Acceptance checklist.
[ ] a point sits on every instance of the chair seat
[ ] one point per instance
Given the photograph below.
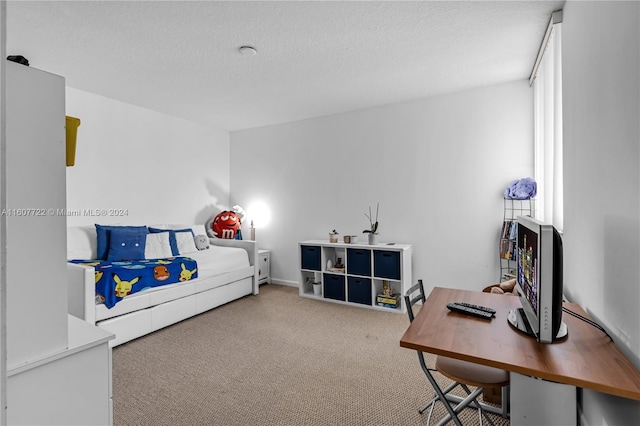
(468, 372)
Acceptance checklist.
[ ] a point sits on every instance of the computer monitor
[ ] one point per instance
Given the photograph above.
(539, 281)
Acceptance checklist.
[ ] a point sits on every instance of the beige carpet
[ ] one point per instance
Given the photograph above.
(274, 359)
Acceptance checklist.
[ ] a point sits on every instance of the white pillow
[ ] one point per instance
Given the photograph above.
(198, 229)
(157, 246)
(159, 226)
(185, 242)
(82, 242)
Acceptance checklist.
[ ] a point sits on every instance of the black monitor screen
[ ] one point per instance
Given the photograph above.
(528, 265)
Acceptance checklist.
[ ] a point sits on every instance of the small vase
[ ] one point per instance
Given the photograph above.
(333, 238)
(373, 238)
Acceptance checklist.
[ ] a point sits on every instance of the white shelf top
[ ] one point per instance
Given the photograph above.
(81, 336)
(361, 245)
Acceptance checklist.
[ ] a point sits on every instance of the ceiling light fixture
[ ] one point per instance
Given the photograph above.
(247, 50)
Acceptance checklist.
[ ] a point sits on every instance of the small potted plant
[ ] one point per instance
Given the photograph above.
(317, 289)
(333, 236)
(317, 286)
(373, 226)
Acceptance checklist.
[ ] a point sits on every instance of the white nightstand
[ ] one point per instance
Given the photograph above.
(264, 266)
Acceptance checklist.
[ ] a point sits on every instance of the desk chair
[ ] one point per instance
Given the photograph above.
(463, 374)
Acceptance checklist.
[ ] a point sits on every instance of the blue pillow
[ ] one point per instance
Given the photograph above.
(103, 237)
(126, 244)
(172, 237)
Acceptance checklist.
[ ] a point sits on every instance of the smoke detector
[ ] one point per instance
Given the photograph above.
(247, 50)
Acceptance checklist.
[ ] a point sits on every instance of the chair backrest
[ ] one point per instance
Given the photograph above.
(410, 299)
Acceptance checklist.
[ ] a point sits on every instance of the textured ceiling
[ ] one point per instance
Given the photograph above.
(314, 58)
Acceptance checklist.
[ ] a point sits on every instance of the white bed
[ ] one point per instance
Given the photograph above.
(226, 271)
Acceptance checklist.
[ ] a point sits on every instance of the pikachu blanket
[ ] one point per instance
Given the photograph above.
(115, 280)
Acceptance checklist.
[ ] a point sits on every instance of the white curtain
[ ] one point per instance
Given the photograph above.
(547, 85)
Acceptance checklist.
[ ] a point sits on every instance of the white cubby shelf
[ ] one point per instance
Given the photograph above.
(364, 272)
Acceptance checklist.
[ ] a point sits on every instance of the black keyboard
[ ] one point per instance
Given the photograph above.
(469, 311)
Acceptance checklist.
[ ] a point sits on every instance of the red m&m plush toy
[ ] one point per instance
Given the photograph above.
(226, 224)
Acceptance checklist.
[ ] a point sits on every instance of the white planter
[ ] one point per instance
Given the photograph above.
(333, 238)
(317, 289)
(373, 238)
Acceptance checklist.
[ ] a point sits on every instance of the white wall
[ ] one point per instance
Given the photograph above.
(157, 168)
(3, 219)
(437, 166)
(601, 95)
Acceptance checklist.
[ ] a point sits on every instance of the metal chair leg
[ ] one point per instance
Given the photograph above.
(433, 404)
(435, 398)
(462, 403)
(506, 401)
(484, 413)
(502, 410)
(453, 412)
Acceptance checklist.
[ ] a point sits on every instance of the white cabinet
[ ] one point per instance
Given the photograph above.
(264, 266)
(36, 237)
(72, 387)
(356, 274)
(58, 367)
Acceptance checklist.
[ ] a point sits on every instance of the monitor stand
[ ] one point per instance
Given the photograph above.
(518, 320)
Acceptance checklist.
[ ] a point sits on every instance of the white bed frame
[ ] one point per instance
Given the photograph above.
(160, 308)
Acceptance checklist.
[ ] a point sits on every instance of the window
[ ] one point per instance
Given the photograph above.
(546, 80)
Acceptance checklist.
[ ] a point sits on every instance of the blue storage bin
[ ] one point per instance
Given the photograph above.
(359, 261)
(359, 290)
(386, 264)
(311, 257)
(334, 287)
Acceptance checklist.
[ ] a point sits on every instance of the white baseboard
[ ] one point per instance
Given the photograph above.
(284, 282)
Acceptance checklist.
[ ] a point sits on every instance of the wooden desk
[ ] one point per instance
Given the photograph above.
(586, 359)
